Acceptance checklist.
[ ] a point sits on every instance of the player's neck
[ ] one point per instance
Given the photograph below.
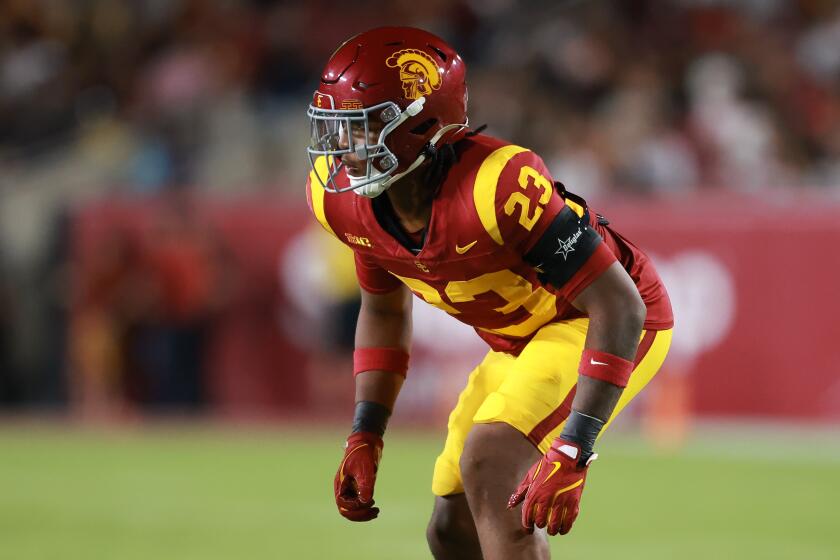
(412, 202)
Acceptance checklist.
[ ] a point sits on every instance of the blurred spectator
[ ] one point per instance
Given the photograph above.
(183, 261)
(112, 295)
(10, 389)
(662, 96)
(54, 280)
(146, 304)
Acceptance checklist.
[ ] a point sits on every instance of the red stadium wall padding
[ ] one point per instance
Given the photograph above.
(252, 366)
(764, 274)
(754, 284)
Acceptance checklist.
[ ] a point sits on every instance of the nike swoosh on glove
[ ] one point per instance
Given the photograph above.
(552, 489)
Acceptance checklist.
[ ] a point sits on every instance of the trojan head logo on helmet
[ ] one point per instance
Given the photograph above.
(418, 72)
(383, 97)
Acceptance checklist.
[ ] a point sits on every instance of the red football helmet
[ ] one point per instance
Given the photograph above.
(384, 96)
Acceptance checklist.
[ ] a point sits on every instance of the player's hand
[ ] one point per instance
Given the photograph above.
(552, 488)
(356, 477)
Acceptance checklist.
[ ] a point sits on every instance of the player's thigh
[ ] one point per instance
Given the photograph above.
(536, 394)
(653, 347)
(494, 461)
(483, 380)
(533, 392)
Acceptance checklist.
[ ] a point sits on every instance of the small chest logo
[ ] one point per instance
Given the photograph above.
(357, 240)
(461, 250)
(421, 266)
(418, 72)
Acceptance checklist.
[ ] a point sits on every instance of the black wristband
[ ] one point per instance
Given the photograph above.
(370, 417)
(582, 429)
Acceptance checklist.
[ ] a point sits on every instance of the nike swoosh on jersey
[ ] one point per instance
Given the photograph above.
(465, 248)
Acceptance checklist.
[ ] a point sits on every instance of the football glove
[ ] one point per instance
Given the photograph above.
(552, 488)
(356, 477)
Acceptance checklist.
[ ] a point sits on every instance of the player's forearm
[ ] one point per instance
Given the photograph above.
(616, 316)
(616, 333)
(384, 326)
(609, 344)
(378, 386)
(381, 329)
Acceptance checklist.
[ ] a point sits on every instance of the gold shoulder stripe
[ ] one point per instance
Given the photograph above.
(577, 208)
(484, 190)
(317, 192)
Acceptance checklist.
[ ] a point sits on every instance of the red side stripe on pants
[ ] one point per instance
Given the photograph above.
(559, 414)
(644, 346)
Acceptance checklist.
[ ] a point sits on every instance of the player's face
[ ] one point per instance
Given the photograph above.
(355, 139)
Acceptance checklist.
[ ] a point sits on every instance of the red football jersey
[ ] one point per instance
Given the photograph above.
(494, 205)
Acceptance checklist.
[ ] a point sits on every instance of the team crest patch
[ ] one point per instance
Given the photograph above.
(418, 72)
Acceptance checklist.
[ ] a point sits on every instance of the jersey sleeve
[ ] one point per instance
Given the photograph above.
(532, 218)
(515, 197)
(373, 278)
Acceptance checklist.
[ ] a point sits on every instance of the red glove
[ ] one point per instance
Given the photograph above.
(552, 489)
(356, 476)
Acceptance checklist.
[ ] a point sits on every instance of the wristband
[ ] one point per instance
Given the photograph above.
(582, 429)
(605, 367)
(370, 417)
(394, 360)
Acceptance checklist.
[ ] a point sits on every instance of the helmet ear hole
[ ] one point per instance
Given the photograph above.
(439, 52)
(423, 127)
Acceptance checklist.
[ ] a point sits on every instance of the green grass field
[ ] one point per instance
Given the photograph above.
(205, 493)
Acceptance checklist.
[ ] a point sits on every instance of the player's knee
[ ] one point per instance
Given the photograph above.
(450, 535)
(442, 537)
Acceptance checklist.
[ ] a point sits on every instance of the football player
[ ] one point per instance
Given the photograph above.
(575, 316)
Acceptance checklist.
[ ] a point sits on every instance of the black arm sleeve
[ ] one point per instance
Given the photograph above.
(370, 417)
(564, 247)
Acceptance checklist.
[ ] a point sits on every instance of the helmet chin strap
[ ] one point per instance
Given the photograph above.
(375, 188)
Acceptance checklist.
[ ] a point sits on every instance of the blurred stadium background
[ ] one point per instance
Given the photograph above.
(175, 331)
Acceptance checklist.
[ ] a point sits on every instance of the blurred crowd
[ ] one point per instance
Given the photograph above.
(634, 94)
(621, 97)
